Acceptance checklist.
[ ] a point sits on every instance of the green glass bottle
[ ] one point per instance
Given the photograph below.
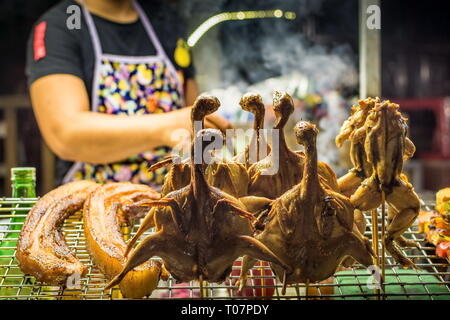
(23, 183)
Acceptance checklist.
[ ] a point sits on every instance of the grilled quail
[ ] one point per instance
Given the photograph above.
(200, 230)
(253, 103)
(281, 170)
(310, 227)
(227, 175)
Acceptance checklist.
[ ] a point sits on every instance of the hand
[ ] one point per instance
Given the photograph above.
(216, 121)
(181, 131)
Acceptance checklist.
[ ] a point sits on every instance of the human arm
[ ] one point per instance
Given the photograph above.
(73, 132)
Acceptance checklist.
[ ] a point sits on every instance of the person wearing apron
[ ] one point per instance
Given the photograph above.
(115, 117)
(125, 85)
(132, 99)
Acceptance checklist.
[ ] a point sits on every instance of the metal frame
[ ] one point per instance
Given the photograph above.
(24, 287)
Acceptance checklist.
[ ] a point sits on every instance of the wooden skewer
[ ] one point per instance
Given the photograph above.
(383, 248)
(375, 244)
(263, 282)
(307, 290)
(200, 280)
(297, 290)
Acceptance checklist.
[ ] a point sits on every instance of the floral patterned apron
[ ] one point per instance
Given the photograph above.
(125, 86)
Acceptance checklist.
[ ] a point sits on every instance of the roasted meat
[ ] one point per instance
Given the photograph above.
(353, 130)
(41, 249)
(253, 103)
(280, 171)
(227, 175)
(310, 227)
(107, 209)
(200, 230)
(385, 141)
(179, 173)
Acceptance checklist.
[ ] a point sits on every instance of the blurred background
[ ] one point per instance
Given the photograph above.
(309, 48)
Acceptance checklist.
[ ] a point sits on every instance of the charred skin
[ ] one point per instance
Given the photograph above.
(385, 143)
(200, 231)
(41, 249)
(106, 210)
(310, 227)
(290, 163)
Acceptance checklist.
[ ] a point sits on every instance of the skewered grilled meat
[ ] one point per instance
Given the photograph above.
(361, 168)
(352, 130)
(179, 173)
(41, 249)
(227, 175)
(106, 210)
(385, 140)
(177, 176)
(253, 103)
(310, 227)
(200, 230)
(290, 164)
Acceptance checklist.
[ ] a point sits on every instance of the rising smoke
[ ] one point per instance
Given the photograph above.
(278, 54)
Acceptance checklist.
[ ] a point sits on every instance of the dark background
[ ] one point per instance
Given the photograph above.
(415, 46)
(413, 32)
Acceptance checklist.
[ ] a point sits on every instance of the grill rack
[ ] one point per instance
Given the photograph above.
(432, 282)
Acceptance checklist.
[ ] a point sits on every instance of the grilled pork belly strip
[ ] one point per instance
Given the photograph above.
(41, 250)
(106, 210)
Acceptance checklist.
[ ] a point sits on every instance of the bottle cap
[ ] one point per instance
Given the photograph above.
(23, 173)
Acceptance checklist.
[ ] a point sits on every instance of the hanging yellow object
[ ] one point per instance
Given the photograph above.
(182, 55)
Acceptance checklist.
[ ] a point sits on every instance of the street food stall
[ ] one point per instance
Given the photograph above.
(312, 193)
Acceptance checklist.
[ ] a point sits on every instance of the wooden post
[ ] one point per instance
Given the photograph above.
(48, 168)
(370, 86)
(369, 54)
(10, 146)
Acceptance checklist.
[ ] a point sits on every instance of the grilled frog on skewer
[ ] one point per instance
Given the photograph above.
(385, 141)
(310, 227)
(352, 130)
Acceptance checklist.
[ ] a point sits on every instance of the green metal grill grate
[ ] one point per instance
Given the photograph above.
(431, 282)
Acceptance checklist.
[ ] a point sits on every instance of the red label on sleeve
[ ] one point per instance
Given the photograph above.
(39, 41)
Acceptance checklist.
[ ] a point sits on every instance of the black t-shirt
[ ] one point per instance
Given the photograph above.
(71, 51)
